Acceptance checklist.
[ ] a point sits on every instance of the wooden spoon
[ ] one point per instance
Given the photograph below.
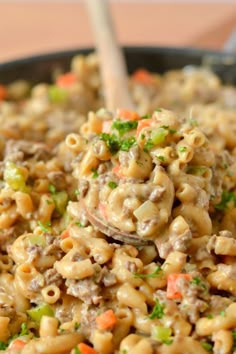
(115, 85)
(112, 63)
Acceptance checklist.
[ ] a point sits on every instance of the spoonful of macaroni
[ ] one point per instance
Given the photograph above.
(115, 85)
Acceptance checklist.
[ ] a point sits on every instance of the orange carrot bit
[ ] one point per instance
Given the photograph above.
(144, 123)
(106, 320)
(66, 80)
(17, 345)
(117, 171)
(102, 209)
(86, 349)
(3, 92)
(172, 290)
(143, 76)
(127, 114)
(65, 234)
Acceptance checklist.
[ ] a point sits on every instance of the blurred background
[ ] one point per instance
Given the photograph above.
(32, 27)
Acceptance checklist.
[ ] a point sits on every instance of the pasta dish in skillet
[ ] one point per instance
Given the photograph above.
(117, 230)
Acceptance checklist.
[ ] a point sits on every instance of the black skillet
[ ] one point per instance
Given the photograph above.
(158, 59)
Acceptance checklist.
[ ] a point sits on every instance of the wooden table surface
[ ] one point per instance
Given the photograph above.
(31, 27)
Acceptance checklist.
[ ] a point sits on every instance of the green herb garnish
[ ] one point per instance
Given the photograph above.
(45, 227)
(146, 116)
(95, 173)
(226, 198)
(76, 326)
(158, 110)
(207, 346)
(198, 281)
(112, 184)
(3, 345)
(124, 126)
(112, 141)
(77, 192)
(115, 144)
(52, 189)
(182, 148)
(148, 145)
(154, 274)
(76, 350)
(196, 170)
(78, 223)
(193, 122)
(49, 202)
(234, 339)
(163, 334)
(157, 311)
(126, 144)
(161, 158)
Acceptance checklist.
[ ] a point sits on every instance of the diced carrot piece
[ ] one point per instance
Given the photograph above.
(102, 209)
(144, 123)
(117, 171)
(66, 80)
(127, 114)
(106, 320)
(172, 291)
(17, 345)
(65, 234)
(3, 92)
(86, 349)
(143, 76)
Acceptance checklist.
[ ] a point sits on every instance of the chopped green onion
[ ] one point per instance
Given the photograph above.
(95, 173)
(161, 158)
(14, 177)
(39, 311)
(207, 346)
(146, 116)
(112, 184)
(163, 334)
(76, 326)
(157, 311)
(57, 94)
(172, 131)
(234, 339)
(3, 345)
(78, 223)
(45, 227)
(52, 188)
(76, 350)
(196, 170)
(158, 135)
(61, 200)
(148, 146)
(182, 148)
(37, 240)
(154, 274)
(226, 198)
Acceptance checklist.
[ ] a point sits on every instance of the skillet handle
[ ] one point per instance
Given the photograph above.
(224, 63)
(230, 44)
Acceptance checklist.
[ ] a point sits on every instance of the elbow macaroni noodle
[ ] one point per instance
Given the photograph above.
(71, 188)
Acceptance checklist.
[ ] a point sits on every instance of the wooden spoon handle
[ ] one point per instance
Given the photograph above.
(112, 63)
